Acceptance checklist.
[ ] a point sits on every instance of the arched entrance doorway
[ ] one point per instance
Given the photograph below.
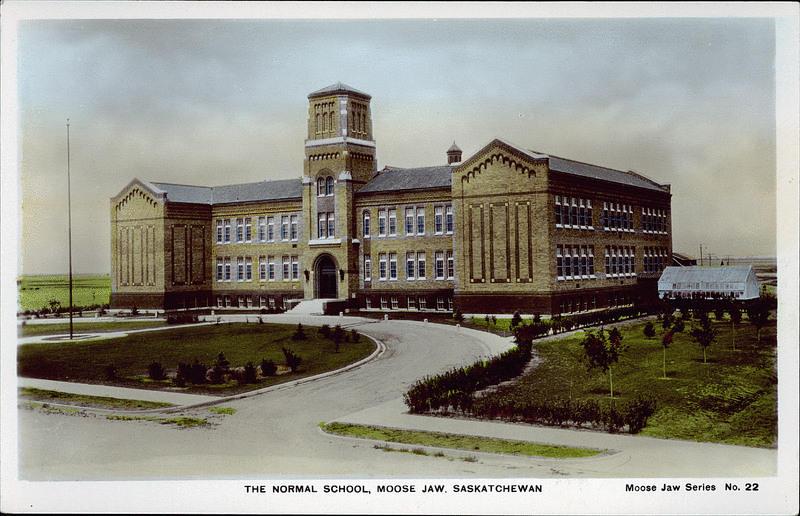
(326, 278)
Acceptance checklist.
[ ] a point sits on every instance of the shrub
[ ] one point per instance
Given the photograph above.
(516, 320)
(182, 318)
(155, 371)
(649, 331)
(325, 331)
(249, 375)
(299, 334)
(110, 371)
(219, 369)
(354, 336)
(338, 336)
(268, 368)
(194, 373)
(292, 360)
(637, 413)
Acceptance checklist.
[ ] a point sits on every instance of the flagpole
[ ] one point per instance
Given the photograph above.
(69, 218)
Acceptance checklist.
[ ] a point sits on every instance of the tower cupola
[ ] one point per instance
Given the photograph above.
(453, 154)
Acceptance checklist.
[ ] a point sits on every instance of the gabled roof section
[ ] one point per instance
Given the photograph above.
(247, 192)
(338, 88)
(156, 192)
(578, 168)
(263, 191)
(697, 274)
(398, 179)
(185, 193)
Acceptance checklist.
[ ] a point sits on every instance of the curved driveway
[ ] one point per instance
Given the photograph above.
(277, 434)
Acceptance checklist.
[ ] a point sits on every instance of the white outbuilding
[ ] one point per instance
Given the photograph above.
(732, 282)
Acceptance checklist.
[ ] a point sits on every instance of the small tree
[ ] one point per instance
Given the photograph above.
(704, 334)
(292, 360)
(220, 368)
(338, 337)
(602, 353)
(679, 325)
(268, 367)
(758, 312)
(649, 331)
(299, 333)
(155, 371)
(516, 320)
(666, 340)
(666, 321)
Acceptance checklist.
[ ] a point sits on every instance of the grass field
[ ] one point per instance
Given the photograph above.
(240, 342)
(36, 292)
(458, 442)
(731, 399)
(84, 325)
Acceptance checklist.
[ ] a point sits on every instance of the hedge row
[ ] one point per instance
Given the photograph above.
(577, 412)
(457, 385)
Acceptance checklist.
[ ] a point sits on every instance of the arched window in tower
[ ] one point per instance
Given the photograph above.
(321, 187)
(329, 186)
(324, 122)
(332, 124)
(316, 123)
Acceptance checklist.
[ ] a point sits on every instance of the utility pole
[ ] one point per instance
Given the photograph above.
(701, 255)
(69, 219)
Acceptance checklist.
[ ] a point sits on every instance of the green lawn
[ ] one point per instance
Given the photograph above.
(83, 325)
(458, 442)
(731, 399)
(240, 342)
(82, 399)
(36, 292)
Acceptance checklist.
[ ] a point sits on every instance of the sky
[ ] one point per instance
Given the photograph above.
(684, 101)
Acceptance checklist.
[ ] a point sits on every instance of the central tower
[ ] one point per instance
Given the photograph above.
(339, 160)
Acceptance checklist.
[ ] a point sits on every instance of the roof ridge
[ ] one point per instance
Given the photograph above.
(629, 172)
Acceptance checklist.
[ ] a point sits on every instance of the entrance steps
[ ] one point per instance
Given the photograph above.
(310, 307)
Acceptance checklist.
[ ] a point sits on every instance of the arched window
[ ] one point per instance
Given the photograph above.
(332, 124)
(320, 187)
(366, 224)
(329, 186)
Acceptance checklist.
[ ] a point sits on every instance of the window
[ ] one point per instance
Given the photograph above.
(262, 269)
(392, 222)
(227, 269)
(271, 268)
(394, 303)
(382, 266)
(365, 228)
(219, 231)
(248, 230)
(293, 222)
(240, 230)
(411, 303)
(451, 265)
(320, 187)
(420, 265)
(331, 225)
(295, 268)
(439, 257)
(381, 222)
(383, 303)
(219, 301)
(262, 229)
(591, 261)
(286, 268)
(448, 219)
(438, 222)
(248, 269)
(440, 303)
(368, 303)
(284, 228)
(410, 265)
(409, 221)
(240, 269)
(219, 269)
(270, 229)
(560, 262)
(420, 221)
(393, 266)
(227, 231)
(329, 186)
(322, 228)
(367, 268)
(422, 303)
